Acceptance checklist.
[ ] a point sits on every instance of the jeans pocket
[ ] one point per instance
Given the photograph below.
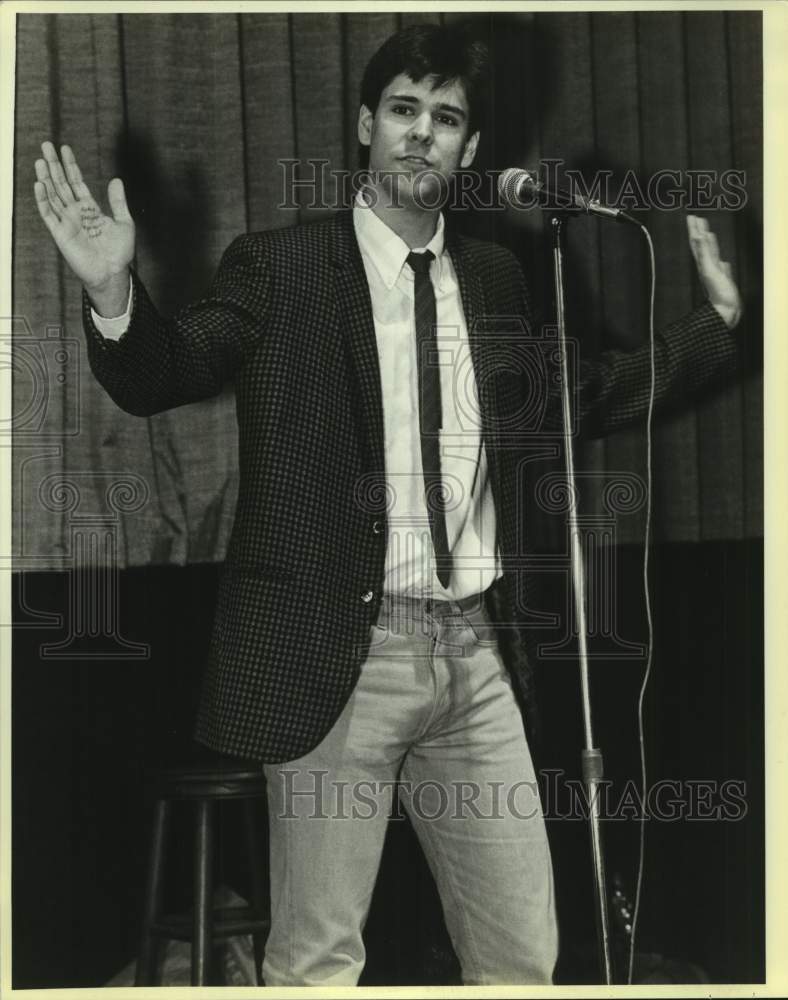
(378, 634)
(481, 628)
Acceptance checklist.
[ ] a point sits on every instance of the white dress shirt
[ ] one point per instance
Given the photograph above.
(470, 513)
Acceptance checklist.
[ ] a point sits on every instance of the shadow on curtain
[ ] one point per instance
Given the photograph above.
(195, 111)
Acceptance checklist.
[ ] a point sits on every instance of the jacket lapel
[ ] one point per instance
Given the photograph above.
(357, 324)
(470, 284)
(475, 310)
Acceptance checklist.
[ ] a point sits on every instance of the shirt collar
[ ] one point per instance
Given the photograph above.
(387, 251)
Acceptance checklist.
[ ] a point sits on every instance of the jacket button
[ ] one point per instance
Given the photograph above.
(377, 527)
(366, 598)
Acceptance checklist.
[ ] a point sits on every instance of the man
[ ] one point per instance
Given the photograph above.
(377, 521)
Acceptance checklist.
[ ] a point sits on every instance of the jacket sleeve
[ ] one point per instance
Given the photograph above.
(612, 390)
(162, 363)
(690, 354)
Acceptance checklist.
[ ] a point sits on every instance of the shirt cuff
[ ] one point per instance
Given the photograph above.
(730, 314)
(114, 327)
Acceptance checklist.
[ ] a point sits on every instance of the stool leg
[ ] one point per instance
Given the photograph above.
(146, 962)
(259, 888)
(203, 884)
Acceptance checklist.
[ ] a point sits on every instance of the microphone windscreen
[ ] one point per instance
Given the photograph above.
(514, 184)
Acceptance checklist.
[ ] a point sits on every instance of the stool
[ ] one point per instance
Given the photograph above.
(204, 784)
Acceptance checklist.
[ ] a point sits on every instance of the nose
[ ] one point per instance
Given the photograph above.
(421, 129)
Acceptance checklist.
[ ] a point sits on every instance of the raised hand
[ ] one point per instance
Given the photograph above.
(715, 274)
(97, 248)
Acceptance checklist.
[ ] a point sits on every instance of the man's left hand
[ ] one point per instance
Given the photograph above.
(715, 274)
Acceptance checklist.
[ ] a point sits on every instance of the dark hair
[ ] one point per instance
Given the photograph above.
(446, 52)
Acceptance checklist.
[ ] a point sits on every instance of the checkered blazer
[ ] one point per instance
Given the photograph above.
(289, 318)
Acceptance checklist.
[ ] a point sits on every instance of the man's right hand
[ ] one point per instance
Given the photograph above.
(97, 248)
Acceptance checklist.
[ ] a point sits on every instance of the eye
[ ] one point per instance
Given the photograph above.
(447, 120)
(402, 109)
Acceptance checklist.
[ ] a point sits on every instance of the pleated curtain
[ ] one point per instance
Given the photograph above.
(197, 112)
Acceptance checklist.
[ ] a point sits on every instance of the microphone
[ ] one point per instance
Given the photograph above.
(520, 188)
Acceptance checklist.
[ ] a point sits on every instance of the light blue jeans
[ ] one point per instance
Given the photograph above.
(433, 717)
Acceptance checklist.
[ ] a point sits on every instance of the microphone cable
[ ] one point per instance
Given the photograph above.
(647, 599)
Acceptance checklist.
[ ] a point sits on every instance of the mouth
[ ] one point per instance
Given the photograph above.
(417, 161)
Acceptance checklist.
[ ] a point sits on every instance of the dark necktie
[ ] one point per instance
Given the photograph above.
(430, 412)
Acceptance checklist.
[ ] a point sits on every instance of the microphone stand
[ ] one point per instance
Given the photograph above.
(591, 756)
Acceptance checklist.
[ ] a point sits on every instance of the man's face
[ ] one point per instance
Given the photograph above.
(416, 129)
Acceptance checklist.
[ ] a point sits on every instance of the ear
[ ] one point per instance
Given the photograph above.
(365, 119)
(470, 150)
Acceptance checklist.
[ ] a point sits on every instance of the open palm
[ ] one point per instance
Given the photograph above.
(96, 247)
(715, 274)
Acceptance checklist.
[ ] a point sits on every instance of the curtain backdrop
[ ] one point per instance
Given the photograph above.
(194, 111)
